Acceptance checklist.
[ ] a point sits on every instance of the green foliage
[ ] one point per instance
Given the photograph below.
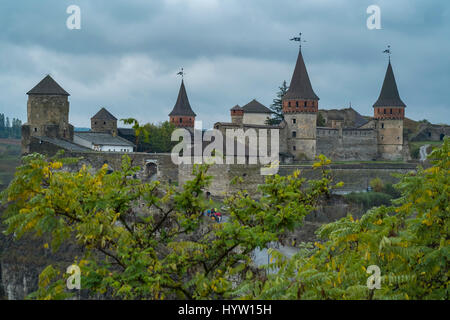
(320, 122)
(377, 184)
(153, 137)
(167, 249)
(408, 241)
(369, 199)
(162, 249)
(10, 129)
(277, 106)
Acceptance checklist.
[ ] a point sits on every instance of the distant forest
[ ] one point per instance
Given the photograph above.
(10, 128)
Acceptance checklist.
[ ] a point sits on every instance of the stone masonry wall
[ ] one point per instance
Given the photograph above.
(347, 144)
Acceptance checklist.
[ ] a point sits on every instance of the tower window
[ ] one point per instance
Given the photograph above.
(35, 129)
(384, 111)
(294, 120)
(296, 104)
(293, 148)
(391, 111)
(181, 120)
(294, 134)
(289, 104)
(382, 126)
(95, 122)
(305, 104)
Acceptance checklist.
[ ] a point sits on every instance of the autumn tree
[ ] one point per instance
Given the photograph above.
(150, 240)
(408, 241)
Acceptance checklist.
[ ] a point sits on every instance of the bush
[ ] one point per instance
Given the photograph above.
(390, 190)
(415, 153)
(377, 185)
(369, 199)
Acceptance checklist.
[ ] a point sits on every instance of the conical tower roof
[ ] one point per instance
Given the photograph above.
(182, 106)
(48, 86)
(389, 96)
(300, 87)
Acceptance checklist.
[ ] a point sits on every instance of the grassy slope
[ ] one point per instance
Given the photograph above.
(9, 160)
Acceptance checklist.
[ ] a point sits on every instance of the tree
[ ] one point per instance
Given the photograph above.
(320, 122)
(165, 249)
(169, 250)
(277, 106)
(153, 137)
(408, 242)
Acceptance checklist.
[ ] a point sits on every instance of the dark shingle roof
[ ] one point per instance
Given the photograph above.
(64, 144)
(255, 107)
(300, 87)
(103, 139)
(182, 106)
(104, 114)
(389, 96)
(48, 86)
(236, 107)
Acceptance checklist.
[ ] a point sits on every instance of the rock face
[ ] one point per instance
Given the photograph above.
(21, 262)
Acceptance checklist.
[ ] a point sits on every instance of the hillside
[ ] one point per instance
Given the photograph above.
(9, 160)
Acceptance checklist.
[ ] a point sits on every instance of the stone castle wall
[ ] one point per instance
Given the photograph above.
(347, 144)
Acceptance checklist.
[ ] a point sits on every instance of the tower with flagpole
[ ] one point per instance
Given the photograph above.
(389, 113)
(300, 107)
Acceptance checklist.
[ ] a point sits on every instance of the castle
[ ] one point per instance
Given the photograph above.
(346, 135)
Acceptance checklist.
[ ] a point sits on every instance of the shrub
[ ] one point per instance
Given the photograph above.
(377, 185)
(369, 199)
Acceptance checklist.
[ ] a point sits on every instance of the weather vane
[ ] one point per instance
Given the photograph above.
(298, 39)
(181, 73)
(388, 51)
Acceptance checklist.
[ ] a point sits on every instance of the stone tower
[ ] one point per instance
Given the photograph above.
(237, 114)
(300, 107)
(389, 112)
(103, 121)
(47, 113)
(182, 115)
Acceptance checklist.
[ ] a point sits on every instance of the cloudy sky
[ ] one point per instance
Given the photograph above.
(126, 55)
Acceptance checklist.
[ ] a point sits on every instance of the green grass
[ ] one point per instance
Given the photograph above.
(9, 160)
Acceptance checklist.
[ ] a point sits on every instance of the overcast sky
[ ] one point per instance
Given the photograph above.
(126, 55)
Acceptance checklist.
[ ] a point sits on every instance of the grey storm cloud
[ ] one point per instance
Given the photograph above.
(127, 54)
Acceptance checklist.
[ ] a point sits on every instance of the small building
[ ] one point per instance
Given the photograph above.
(255, 113)
(103, 142)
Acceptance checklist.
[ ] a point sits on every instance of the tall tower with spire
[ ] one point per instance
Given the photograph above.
(182, 115)
(300, 107)
(389, 113)
(47, 113)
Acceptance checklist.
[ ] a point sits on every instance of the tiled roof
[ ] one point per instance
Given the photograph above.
(98, 138)
(389, 96)
(300, 87)
(104, 114)
(182, 106)
(48, 86)
(255, 107)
